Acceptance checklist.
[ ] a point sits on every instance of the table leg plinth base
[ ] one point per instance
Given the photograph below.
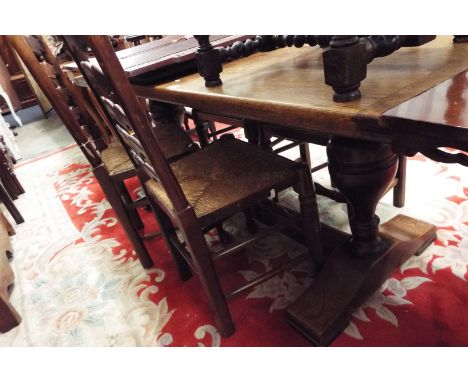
(345, 282)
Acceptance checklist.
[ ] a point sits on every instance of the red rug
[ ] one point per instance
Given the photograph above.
(84, 286)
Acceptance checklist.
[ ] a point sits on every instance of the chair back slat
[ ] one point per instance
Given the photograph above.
(55, 97)
(137, 153)
(107, 79)
(125, 131)
(114, 110)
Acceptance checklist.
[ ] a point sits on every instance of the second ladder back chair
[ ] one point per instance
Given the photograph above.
(110, 173)
(202, 188)
(72, 94)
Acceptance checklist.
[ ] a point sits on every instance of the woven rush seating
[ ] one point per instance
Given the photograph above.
(116, 159)
(232, 170)
(174, 143)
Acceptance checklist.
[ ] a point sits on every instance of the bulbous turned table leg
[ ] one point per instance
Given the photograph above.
(362, 171)
(361, 262)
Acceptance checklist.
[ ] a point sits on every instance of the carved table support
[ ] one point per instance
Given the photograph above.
(361, 263)
(345, 66)
(208, 61)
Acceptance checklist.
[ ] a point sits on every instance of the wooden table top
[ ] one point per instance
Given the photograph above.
(441, 111)
(287, 87)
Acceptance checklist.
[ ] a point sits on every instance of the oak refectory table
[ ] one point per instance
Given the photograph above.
(412, 101)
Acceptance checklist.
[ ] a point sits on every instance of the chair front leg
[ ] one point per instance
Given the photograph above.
(203, 263)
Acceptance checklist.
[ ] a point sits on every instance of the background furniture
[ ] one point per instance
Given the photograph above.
(9, 317)
(16, 80)
(10, 187)
(5, 131)
(135, 40)
(111, 166)
(7, 174)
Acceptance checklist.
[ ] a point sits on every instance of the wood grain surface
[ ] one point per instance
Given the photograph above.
(441, 111)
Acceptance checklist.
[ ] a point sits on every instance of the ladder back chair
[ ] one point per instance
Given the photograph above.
(204, 187)
(111, 172)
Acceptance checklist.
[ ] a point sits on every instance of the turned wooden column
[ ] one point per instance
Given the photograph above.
(362, 171)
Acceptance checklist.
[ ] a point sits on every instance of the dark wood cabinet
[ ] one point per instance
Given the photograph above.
(9, 57)
(17, 78)
(23, 90)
